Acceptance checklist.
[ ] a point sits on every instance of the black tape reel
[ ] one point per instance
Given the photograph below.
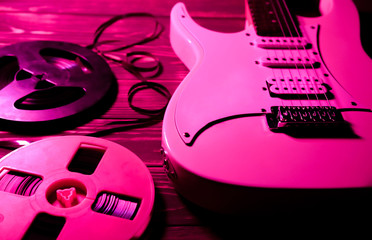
(42, 81)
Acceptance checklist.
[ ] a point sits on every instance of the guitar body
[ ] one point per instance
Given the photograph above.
(220, 151)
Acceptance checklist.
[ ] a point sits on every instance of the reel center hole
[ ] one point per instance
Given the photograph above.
(66, 193)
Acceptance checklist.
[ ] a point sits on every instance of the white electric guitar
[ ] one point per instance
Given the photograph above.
(284, 104)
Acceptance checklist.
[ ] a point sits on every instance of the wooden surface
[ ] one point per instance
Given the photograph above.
(75, 21)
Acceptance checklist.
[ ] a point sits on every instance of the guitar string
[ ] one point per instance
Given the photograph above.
(281, 84)
(307, 78)
(290, 51)
(312, 66)
(275, 77)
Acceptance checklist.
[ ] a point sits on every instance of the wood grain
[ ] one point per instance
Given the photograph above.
(75, 21)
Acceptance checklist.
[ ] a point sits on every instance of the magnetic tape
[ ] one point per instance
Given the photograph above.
(74, 187)
(47, 81)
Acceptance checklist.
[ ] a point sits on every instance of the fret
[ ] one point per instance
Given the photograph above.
(271, 18)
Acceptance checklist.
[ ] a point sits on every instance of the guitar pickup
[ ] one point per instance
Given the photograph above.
(284, 117)
(283, 43)
(296, 88)
(297, 63)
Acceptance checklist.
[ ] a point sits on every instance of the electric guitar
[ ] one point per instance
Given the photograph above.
(284, 104)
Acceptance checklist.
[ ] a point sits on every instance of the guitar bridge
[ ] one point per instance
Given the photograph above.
(285, 117)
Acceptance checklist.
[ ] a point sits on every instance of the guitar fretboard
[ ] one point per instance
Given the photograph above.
(273, 18)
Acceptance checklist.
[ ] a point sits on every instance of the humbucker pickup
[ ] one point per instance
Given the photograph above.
(288, 88)
(303, 116)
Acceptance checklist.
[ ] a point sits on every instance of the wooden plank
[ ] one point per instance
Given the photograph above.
(170, 208)
(205, 8)
(75, 21)
(179, 233)
(144, 142)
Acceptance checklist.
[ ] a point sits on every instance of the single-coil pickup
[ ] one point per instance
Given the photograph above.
(283, 43)
(288, 88)
(290, 62)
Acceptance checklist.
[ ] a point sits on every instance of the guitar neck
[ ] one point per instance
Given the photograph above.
(273, 18)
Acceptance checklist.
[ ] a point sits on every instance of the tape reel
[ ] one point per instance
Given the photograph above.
(74, 187)
(43, 81)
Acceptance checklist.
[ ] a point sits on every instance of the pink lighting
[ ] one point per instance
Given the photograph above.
(67, 197)
(269, 107)
(195, 119)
